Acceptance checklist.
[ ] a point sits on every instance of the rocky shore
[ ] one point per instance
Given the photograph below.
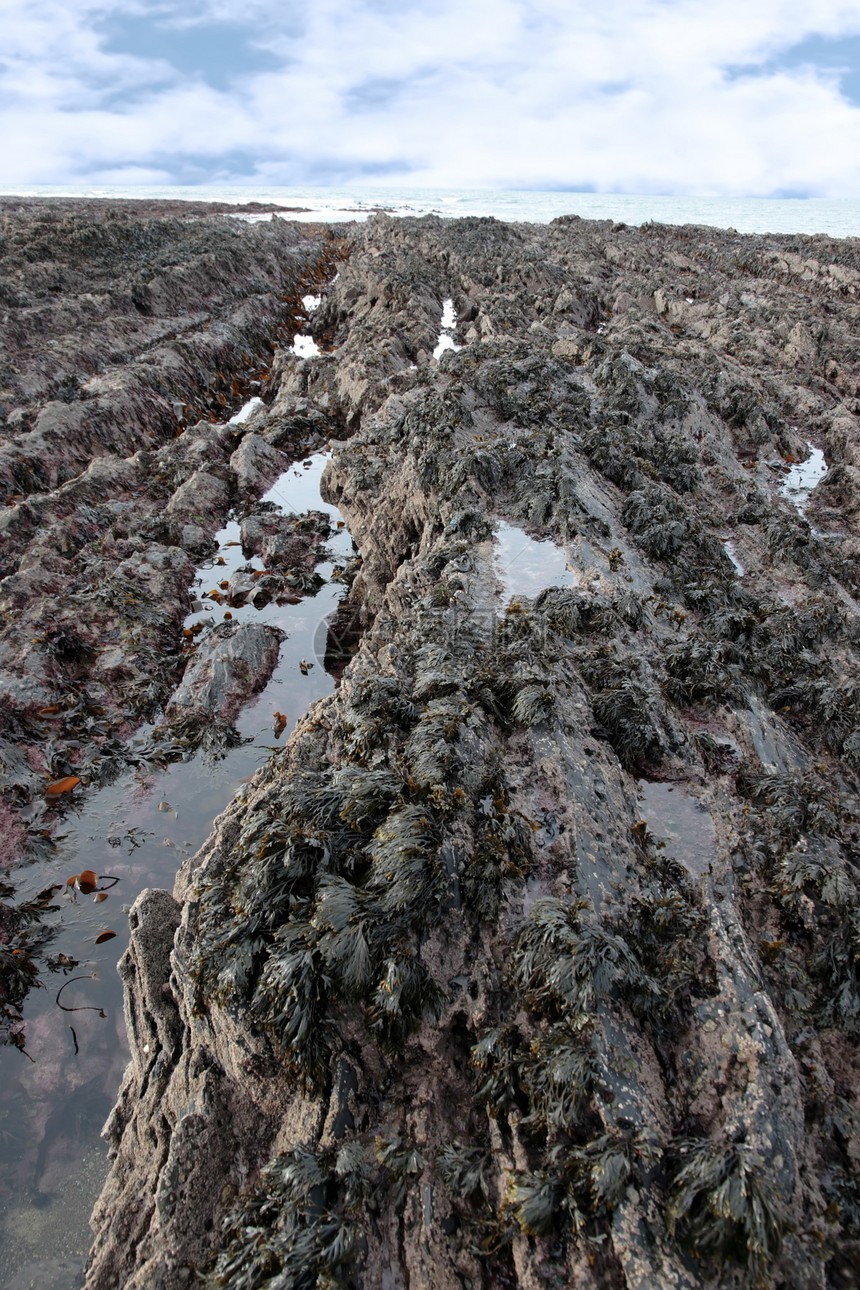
(456, 995)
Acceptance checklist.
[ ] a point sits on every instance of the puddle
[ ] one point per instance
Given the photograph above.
(246, 411)
(446, 335)
(676, 818)
(525, 566)
(802, 478)
(138, 830)
(305, 347)
(310, 303)
(729, 548)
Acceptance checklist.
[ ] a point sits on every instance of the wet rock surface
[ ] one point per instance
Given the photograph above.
(231, 665)
(122, 323)
(439, 1007)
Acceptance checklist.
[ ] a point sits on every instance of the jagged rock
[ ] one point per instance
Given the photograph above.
(456, 1012)
(200, 500)
(440, 1010)
(256, 464)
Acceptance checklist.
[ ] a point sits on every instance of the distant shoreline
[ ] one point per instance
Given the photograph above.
(808, 216)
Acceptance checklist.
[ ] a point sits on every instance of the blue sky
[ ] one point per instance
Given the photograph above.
(722, 97)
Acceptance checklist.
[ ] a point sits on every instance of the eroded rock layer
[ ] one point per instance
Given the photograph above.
(440, 1010)
(122, 324)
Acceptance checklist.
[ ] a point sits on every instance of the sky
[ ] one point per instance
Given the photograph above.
(700, 97)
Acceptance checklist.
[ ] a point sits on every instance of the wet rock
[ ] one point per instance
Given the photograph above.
(23, 692)
(433, 963)
(517, 736)
(231, 664)
(193, 539)
(255, 528)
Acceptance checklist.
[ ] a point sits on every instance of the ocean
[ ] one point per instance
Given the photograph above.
(836, 218)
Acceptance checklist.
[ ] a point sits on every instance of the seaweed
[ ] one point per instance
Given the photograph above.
(582, 1183)
(621, 704)
(703, 671)
(290, 1228)
(24, 938)
(564, 961)
(401, 1161)
(723, 1205)
(498, 1056)
(501, 850)
(663, 925)
(657, 520)
(463, 1171)
(558, 1077)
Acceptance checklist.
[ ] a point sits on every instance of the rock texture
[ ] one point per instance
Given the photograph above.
(121, 326)
(440, 1010)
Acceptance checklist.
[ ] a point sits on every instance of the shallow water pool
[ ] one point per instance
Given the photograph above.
(133, 833)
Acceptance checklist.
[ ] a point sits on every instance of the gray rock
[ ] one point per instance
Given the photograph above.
(201, 500)
(256, 465)
(230, 664)
(23, 692)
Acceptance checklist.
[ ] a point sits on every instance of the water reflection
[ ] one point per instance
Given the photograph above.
(139, 830)
(802, 478)
(679, 820)
(525, 566)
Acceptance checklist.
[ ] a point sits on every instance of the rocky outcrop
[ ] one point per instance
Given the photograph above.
(446, 1011)
(115, 488)
(532, 958)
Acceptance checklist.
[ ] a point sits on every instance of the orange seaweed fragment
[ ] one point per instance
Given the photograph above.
(63, 785)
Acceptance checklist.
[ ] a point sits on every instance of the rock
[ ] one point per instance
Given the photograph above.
(193, 539)
(433, 963)
(201, 500)
(230, 664)
(23, 692)
(254, 528)
(256, 465)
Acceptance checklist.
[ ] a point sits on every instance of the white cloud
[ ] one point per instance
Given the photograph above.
(676, 96)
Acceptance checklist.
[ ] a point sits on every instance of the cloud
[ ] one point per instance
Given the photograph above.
(682, 96)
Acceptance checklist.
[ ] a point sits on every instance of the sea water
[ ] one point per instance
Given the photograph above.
(834, 217)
